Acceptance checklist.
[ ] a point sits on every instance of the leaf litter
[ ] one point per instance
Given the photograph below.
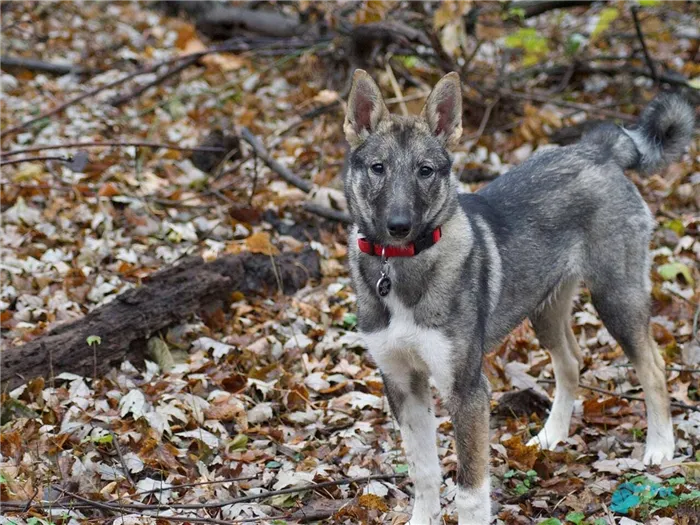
(279, 394)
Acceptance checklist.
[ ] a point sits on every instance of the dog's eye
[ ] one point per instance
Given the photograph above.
(378, 168)
(426, 171)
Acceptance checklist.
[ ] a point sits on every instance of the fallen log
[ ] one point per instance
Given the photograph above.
(31, 64)
(532, 8)
(223, 21)
(164, 298)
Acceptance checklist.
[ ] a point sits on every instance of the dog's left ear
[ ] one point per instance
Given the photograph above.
(443, 110)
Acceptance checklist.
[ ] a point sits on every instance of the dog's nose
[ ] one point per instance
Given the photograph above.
(399, 225)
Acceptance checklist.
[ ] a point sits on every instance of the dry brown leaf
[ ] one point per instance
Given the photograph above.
(260, 243)
(373, 502)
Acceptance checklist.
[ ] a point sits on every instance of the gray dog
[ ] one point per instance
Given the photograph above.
(441, 276)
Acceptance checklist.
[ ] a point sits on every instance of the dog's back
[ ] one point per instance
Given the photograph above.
(564, 212)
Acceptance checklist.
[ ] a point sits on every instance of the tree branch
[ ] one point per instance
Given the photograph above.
(640, 35)
(275, 166)
(39, 65)
(154, 145)
(123, 99)
(34, 159)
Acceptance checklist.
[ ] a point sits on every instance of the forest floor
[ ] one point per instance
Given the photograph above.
(276, 393)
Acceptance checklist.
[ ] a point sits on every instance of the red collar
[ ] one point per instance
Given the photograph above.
(411, 249)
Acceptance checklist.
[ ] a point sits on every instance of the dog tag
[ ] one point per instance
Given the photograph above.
(383, 285)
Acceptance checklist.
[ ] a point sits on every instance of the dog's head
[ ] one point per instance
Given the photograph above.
(398, 181)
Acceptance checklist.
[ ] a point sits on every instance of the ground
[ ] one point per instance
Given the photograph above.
(276, 392)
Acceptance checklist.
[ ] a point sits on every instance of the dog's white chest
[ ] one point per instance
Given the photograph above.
(404, 346)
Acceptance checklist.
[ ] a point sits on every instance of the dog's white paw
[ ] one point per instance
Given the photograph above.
(425, 517)
(658, 453)
(548, 439)
(660, 446)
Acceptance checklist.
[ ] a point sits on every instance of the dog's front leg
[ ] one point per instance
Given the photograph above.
(411, 402)
(469, 407)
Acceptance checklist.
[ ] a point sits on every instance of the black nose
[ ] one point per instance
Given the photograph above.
(399, 225)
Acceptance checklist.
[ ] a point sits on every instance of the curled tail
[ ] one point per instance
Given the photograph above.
(660, 136)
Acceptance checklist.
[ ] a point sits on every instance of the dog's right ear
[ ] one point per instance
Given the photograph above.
(365, 109)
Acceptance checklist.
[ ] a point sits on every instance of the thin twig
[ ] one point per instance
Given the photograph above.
(640, 35)
(255, 179)
(29, 503)
(397, 89)
(327, 213)
(34, 159)
(32, 64)
(123, 99)
(115, 442)
(197, 484)
(547, 99)
(228, 46)
(61, 107)
(309, 115)
(275, 166)
(630, 397)
(111, 144)
(128, 509)
(484, 120)
(250, 497)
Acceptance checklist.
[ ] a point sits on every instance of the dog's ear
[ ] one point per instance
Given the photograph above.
(443, 109)
(365, 109)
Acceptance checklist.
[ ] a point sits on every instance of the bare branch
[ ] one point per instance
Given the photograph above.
(275, 166)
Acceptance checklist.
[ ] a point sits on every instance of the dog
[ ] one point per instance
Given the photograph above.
(441, 276)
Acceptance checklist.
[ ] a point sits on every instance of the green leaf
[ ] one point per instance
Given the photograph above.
(409, 61)
(94, 340)
(535, 45)
(693, 496)
(679, 480)
(273, 464)
(648, 3)
(349, 320)
(521, 488)
(517, 12)
(671, 271)
(550, 521)
(107, 438)
(675, 225)
(401, 469)
(574, 43)
(575, 517)
(284, 500)
(607, 16)
(511, 473)
(240, 442)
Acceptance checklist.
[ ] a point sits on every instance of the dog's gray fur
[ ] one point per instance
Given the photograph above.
(517, 248)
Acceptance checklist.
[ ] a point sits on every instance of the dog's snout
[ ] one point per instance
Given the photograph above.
(399, 225)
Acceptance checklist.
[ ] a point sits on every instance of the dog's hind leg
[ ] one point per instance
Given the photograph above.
(411, 403)
(552, 326)
(625, 313)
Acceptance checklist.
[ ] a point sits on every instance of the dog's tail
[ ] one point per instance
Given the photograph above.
(659, 137)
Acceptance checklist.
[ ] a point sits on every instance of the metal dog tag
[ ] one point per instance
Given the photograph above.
(384, 282)
(383, 285)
